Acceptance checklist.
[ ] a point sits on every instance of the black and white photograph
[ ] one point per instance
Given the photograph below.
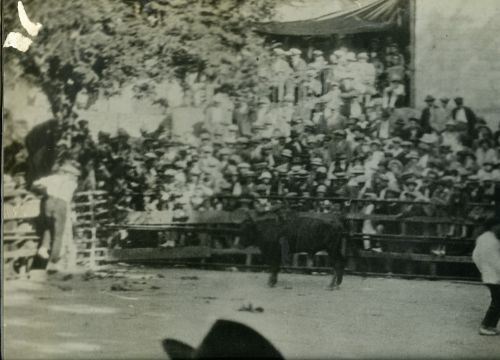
(285, 179)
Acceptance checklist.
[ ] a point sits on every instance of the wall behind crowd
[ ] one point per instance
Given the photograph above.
(457, 48)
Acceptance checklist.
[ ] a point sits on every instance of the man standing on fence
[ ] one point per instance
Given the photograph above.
(58, 191)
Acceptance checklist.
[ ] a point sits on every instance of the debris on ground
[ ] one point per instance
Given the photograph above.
(160, 275)
(251, 309)
(190, 278)
(88, 275)
(123, 286)
(67, 277)
(206, 297)
(288, 287)
(64, 287)
(154, 287)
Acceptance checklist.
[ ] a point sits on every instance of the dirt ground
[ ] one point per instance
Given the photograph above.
(124, 314)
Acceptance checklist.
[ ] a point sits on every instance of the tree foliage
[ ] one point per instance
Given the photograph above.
(98, 46)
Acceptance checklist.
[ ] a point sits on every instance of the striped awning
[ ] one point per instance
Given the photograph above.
(351, 16)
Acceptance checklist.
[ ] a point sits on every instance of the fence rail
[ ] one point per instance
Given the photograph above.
(407, 250)
(414, 235)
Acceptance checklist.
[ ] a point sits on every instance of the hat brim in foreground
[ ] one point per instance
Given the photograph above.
(177, 350)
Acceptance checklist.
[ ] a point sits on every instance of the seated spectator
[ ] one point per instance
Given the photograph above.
(485, 153)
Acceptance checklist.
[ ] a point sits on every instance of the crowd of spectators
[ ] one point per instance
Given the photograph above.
(325, 129)
(336, 128)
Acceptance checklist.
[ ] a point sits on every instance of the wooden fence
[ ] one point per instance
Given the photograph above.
(21, 238)
(405, 247)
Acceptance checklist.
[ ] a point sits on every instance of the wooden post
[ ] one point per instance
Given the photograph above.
(433, 269)
(248, 259)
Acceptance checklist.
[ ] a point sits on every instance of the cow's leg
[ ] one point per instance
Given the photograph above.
(338, 263)
(273, 276)
(274, 261)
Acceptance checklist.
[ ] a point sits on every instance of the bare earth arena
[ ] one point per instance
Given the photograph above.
(126, 314)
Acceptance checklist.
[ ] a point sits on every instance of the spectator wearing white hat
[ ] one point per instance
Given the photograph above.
(299, 65)
(444, 106)
(319, 63)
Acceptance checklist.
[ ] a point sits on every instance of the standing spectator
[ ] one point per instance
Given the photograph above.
(368, 225)
(299, 67)
(430, 118)
(445, 107)
(320, 66)
(367, 71)
(332, 73)
(486, 256)
(464, 116)
(281, 71)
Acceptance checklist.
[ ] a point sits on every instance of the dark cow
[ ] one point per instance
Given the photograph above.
(302, 232)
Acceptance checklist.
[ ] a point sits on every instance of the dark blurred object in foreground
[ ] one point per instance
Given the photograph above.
(226, 339)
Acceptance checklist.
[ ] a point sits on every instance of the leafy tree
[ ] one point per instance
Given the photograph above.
(98, 46)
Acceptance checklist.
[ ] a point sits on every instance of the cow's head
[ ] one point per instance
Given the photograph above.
(250, 234)
(249, 230)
